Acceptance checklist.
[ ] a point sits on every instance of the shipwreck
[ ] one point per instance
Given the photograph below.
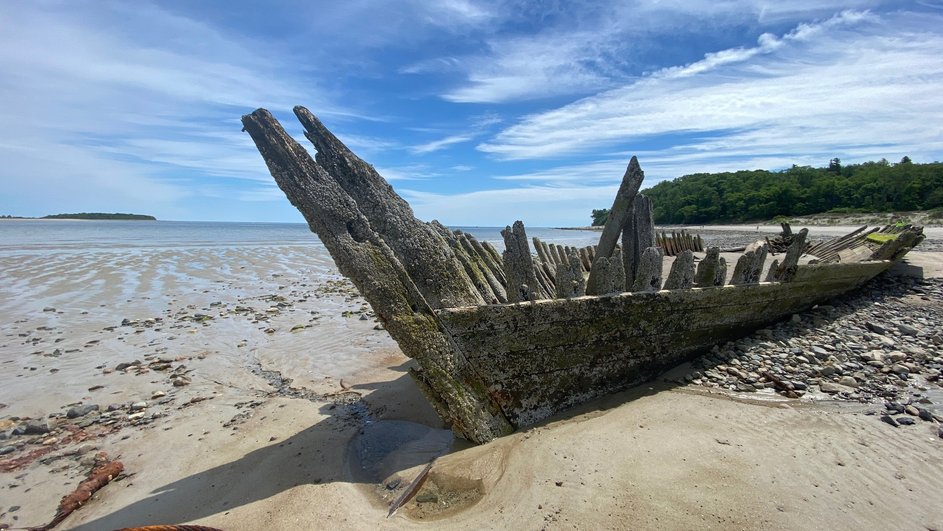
(505, 340)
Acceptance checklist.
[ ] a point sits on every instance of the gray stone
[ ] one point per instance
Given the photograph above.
(7, 450)
(890, 420)
(81, 410)
(905, 421)
(834, 388)
(848, 381)
(36, 427)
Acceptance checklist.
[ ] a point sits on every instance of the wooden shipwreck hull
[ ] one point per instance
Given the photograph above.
(505, 340)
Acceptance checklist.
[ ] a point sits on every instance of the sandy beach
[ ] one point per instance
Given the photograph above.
(250, 386)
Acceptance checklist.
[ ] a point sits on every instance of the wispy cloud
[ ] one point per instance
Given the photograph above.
(855, 82)
(110, 100)
(442, 143)
(540, 206)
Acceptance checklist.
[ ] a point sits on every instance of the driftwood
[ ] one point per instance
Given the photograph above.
(410, 489)
(104, 471)
(785, 270)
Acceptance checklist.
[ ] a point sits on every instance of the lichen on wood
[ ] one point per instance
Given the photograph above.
(620, 211)
(365, 258)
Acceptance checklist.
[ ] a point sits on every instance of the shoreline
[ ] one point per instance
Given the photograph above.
(238, 385)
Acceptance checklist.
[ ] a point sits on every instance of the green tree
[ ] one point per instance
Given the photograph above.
(600, 216)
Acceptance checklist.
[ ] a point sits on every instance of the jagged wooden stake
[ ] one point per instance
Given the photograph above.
(681, 275)
(649, 270)
(519, 265)
(620, 211)
(707, 270)
(637, 235)
(444, 375)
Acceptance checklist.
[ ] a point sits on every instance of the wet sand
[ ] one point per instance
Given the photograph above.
(241, 447)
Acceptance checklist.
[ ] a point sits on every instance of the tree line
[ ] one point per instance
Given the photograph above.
(798, 191)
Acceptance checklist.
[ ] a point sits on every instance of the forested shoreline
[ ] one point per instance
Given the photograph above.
(798, 191)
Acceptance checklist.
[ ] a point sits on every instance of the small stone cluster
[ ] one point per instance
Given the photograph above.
(881, 344)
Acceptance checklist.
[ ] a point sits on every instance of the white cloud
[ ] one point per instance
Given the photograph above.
(442, 143)
(122, 100)
(854, 83)
(537, 206)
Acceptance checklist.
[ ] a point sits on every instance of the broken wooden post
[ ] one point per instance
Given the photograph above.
(541, 253)
(637, 235)
(787, 269)
(620, 211)
(609, 276)
(442, 279)
(706, 275)
(519, 265)
(648, 277)
(681, 275)
(721, 275)
(756, 268)
(445, 376)
(569, 277)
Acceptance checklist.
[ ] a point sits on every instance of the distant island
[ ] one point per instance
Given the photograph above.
(101, 215)
(92, 216)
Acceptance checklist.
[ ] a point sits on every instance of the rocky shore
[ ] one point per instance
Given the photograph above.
(881, 346)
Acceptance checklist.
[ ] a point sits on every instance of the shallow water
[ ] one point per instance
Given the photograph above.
(271, 293)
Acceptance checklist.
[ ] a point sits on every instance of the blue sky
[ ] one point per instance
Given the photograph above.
(479, 113)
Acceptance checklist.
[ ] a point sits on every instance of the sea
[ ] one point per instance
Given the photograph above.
(270, 297)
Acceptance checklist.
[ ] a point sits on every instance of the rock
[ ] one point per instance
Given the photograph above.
(899, 369)
(924, 414)
(80, 411)
(36, 427)
(911, 410)
(833, 388)
(427, 497)
(906, 421)
(49, 309)
(896, 356)
(7, 450)
(848, 381)
(122, 366)
(138, 406)
(890, 420)
(907, 330)
(876, 328)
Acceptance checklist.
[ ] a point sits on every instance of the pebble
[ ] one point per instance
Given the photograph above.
(867, 346)
(80, 411)
(138, 405)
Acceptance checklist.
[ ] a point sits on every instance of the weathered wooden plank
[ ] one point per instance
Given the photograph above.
(439, 276)
(519, 265)
(648, 277)
(681, 275)
(362, 255)
(618, 213)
